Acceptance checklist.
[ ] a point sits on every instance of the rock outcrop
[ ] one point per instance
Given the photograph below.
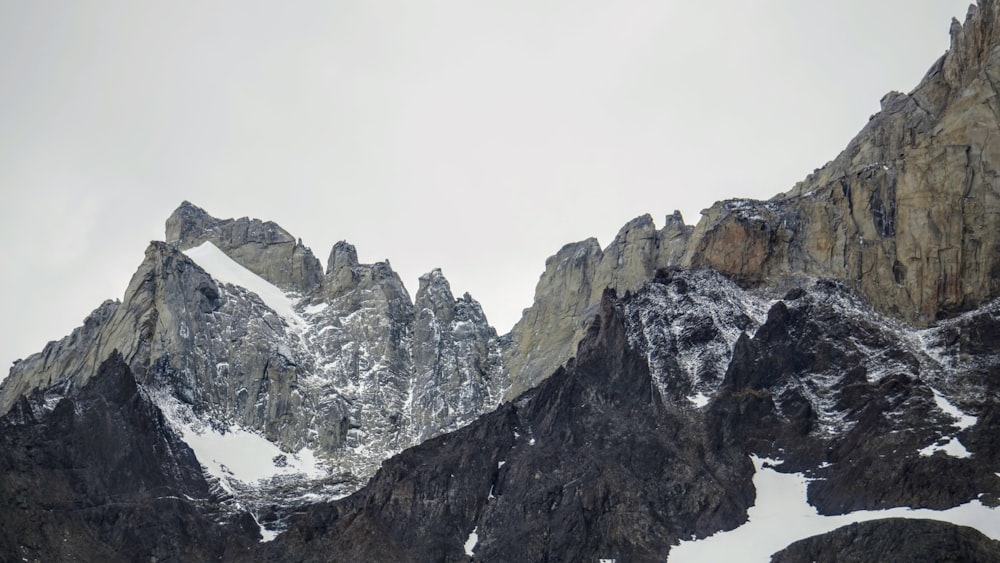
(893, 540)
(262, 247)
(101, 476)
(456, 359)
(848, 330)
(569, 292)
(590, 464)
(908, 214)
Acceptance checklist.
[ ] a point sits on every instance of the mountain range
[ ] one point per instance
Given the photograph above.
(815, 377)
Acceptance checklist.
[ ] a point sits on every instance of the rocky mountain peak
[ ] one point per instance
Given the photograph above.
(262, 247)
(342, 255)
(434, 295)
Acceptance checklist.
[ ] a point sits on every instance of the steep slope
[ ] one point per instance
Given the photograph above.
(907, 214)
(569, 292)
(101, 476)
(845, 336)
(645, 438)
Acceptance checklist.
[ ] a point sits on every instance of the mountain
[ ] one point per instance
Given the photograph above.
(815, 376)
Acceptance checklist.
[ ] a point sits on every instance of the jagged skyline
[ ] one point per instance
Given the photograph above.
(478, 141)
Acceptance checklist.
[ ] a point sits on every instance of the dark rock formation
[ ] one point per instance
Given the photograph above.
(100, 476)
(894, 540)
(826, 382)
(847, 329)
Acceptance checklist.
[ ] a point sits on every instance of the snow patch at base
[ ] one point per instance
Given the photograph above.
(781, 515)
(236, 454)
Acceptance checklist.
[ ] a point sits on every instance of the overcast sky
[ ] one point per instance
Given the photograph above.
(474, 136)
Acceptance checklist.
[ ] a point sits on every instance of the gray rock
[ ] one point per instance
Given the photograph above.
(264, 248)
(569, 291)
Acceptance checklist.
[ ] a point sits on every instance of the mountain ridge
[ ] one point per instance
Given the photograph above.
(845, 331)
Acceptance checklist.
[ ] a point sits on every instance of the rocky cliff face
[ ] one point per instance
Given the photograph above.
(642, 440)
(101, 476)
(264, 248)
(593, 463)
(907, 214)
(569, 292)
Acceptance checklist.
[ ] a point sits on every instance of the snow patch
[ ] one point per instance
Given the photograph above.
(699, 399)
(471, 541)
(963, 420)
(236, 454)
(782, 515)
(951, 446)
(224, 269)
(313, 309)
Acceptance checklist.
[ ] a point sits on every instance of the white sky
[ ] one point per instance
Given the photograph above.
(478, 137)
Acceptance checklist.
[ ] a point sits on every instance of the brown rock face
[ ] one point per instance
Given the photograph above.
(908, 214)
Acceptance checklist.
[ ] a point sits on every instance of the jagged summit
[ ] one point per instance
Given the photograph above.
(233, 323)
(262, 247)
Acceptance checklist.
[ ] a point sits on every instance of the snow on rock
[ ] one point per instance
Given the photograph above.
(471, 541)
(224, 269)
(951, 445)
(317, 308)
(699, 399)
(235, 454)
(782, 515)
(963, 420)
(687, 325)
